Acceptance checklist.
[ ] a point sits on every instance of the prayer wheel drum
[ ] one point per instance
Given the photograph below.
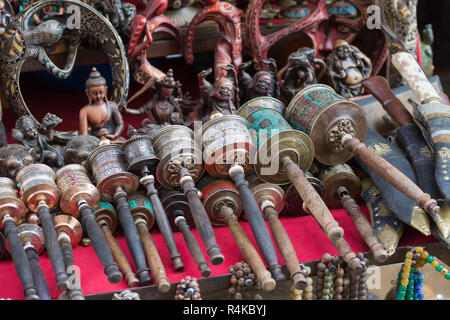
(74, 183)
(266, 191)
(294, 202)
(140, 205)
(275, 139)
(174, 200)
(109, 168)
(334, 177)
(215, 194)
(106, 212)
(139, 153)
(30, 233)
(324, 115)
(9, 202)
(37, 183)
(71, 226)
(175, 146)
(226, 141)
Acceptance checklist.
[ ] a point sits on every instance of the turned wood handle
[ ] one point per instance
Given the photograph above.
(347, 254)
(66, 248)
(201, 219)
(20, 260)
(247, 249)
(153, 258)
(163, 222)
(120, 257)
(313, 201)
(256, 221)
(363, 226)
(410, 70)
(193, 246)
(38, 275)
(392, 175)
(99, 243)
(132, 237)
(286, 248)
(380, 89)
(53, 248)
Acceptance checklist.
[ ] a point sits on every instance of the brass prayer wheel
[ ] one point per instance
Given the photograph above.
(74, 183)
(217, 193)
(105, 212)
(324, 115)
(9, 202)
(109, 169)
(37, 183)
(174, 200)
(71, 226)
(30, 234)
(294, 202)
(335, 177)
(141, 207)
(275, 139)
(175, 146)
(138, 151)
(266, 191)
(226, 141)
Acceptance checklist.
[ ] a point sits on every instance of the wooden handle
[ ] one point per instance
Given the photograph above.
(392, 175)
(347, 254)
(256, 221)
(286, 248)
(380, 89)
(19, 258)
(193, 245)
(66, 248)
(247, 249)
(410, 70)
(132, 237)
(120, 257)
(313, 201)
(53, 248)
(99, 243)
(163, 222)
(363, 226)
(200, 217)
(153, 258)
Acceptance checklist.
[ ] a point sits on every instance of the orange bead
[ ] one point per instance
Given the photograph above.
(424, 255)
(404, 282)
(408, 262)
(409, 255)
(435, 263)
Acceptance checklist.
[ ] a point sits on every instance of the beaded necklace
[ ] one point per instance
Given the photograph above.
(410, 280)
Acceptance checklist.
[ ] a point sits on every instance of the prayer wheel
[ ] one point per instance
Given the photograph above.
(12, 209)
(41, 194)
(337, 126)
(228, 150)
(142, 160)
(114, 182)
(78, 197)
(181, 165)
(294, 202)
(179, 214)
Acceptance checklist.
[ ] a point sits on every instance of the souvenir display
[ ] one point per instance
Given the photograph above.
(143, 216)
(78, 198)
(347, 67)
(141, 158)
(106, 217)
(12, 211)
(180, 218)
(109, 169)
(242, 278)
(69, 232)
(32, 239)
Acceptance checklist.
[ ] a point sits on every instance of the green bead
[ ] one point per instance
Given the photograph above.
(430, 259)
(447, 276)
(439, 267)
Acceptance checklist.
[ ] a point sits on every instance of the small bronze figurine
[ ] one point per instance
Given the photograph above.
(101, 115)
(263, 83)
(165, 105)
(13, 158)
(347, 68)
(222, 96)
(39, 138)
(78, 149)
(300, 71)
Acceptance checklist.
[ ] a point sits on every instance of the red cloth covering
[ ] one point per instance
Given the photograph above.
(309, 241)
